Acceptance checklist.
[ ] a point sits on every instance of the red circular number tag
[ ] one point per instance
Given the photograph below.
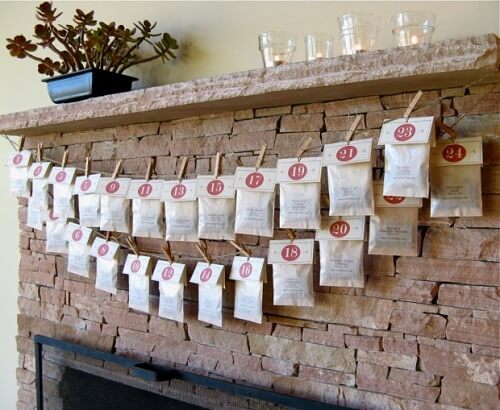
(52, 216)
(145, 190)
(297, 171)
(178, 191)
(339, 229)
(61, 176)
(37, 171)
(85, 185)
(135, 266)
(290, 253)
(206, 274)
(394, 199)
(454, 153)
(77, 235)
(245, 270)
(17, 159)
(215, 187)
(347, 153)
(404, 132)
(103, 250)
(167, 273)
(112, 187)
(254, 180)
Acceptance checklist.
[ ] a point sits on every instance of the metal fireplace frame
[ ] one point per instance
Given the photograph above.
(155, 373)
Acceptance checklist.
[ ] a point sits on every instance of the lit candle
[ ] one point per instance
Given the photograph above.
(278, 60)
(319, 55)
(414, 39)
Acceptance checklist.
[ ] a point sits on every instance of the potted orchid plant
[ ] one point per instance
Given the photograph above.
(89, 57)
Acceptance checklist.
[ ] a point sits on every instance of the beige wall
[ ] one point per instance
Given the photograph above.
(219, 37)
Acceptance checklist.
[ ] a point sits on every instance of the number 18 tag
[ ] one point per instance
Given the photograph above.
(298, 252)
(342, 153)
(464, 151)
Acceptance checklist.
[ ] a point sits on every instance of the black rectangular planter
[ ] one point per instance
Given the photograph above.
(87, 83)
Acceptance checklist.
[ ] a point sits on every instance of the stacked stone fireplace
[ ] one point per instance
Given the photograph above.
(423, 333)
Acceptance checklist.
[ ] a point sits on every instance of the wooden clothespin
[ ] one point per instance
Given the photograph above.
(353, 128)
(151, 167)
(39, 152)
(130, 241)
(217, 165)
(167, 252)
(291, 234)
(446, 129)
(87, 165)
(64, 158)
(412, 105)
(117, 169)
(260, 158)
(21, 143)
(202, 248)
(108, 234)
(242, 248)
(303, 147)
(182, 169)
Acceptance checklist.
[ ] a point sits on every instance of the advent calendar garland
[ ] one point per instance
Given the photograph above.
(216, 207)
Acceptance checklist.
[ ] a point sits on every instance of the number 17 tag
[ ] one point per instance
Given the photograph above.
(343, 153)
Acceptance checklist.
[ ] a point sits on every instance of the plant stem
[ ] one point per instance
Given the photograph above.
(64, 42)
(40, 60)
(86, 52)
(129, 51)
(144, 60)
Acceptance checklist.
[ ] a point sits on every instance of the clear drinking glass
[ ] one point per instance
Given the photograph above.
(276, 47)
(413, 27)
(318, 46)
(358, 32)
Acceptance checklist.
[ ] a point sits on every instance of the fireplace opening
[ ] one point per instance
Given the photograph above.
(83, 391)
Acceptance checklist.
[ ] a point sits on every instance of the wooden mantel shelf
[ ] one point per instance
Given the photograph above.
(443, 64)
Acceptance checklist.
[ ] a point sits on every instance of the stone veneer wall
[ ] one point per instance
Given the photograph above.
(423, 333)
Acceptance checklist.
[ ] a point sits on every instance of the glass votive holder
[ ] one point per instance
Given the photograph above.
(413, 27)
(358, 32)
(318, 46)
(276, 47)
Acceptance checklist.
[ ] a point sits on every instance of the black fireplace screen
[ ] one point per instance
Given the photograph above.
(79, 389)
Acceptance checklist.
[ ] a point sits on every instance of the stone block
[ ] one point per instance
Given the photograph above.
(422, 324)
(478, 297)
(301, 122)
(256, 125)
(387, 359)
(472, 330)
(353, 106)
(449, 270)
(456, 392)
(316, 374)
(464, 366)
(302, 352)
(452, 243)
(401, 289)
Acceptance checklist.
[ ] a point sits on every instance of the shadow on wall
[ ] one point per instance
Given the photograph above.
(156, 73)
